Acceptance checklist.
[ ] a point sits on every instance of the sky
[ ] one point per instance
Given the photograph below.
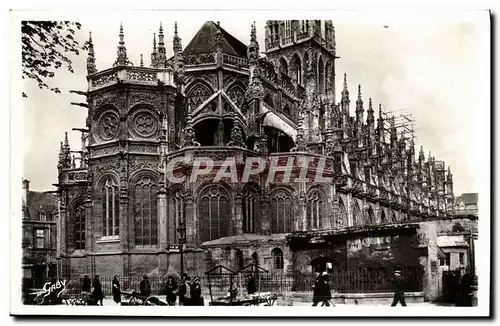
(434, 65)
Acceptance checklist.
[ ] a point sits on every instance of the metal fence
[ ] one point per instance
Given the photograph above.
(365, 280)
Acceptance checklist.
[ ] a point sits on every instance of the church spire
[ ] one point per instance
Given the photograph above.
(253, 48)
(218, 37)
(122, 59)
(345, 97)
(177, 45)
(236, 134)
(370, 119)
(162, 51)
(91, 67)
(154, 54)
(359, 107)
(142, 61)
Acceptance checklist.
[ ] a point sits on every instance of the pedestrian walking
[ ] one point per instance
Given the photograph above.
(251, 286)
(117, 293)
(196, 298)
(171, 291)
(326, 294)
(145, 287)
(317, 290)
(399, 286)
(187, 296)
(86, 284)
(97, 293)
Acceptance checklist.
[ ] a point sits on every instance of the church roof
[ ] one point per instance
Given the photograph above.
(204, 42)
(469, 198)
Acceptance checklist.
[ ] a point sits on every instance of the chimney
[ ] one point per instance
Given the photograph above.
(26, 190)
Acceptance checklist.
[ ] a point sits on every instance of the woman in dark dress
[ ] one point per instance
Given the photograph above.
(171, 290)
(196, 299)
(117, 294)
(98, 295)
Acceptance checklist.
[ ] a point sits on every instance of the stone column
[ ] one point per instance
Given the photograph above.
(191, 234)
(238, 210)
(349, 209)
(302, 216)
(162, 217)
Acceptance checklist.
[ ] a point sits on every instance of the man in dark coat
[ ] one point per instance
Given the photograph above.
(184, 291)
(196, 298)
(86, 284)
(251, 286)
(399, 288)
(326, 293)
(98, 294)
(171, 291)
(466, 290)
(317, 290)
(145, 287)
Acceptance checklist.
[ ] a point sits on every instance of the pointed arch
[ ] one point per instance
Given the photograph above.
(214, 213)
(198, 93)
(239, 260)
(321, 75)
(315, 209)
(305, 64)
(281, 211)
(251, 208)
(370, 216)
(356, 214)
(236, 93)
(77, 211)
(283, 68)
(383, 219)
(296, 69)
(341, 218)
(177, 212)
(277, 255)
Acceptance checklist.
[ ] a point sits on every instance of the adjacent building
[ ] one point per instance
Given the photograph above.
(39, 235)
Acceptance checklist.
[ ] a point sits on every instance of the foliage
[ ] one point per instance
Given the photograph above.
(46, 46)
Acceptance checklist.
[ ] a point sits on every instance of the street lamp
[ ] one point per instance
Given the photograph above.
(182, 240)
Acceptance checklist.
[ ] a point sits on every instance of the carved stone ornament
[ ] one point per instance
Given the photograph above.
(143, 123)
(142, 98)
(107, 166)
(108, 125)
(136, 164)
(106, 98)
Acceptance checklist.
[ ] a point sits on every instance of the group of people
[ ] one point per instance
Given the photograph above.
(189, 293)
(94, 288)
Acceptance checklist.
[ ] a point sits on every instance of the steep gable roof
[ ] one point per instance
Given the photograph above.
(204, 42)
(469, 198)
(40, 202)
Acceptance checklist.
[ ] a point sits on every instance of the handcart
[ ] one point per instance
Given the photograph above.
(137, 299)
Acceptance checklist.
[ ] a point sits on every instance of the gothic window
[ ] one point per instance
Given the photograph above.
(108, 126)
(306, 63)
(145, 124)
(356, 214)
(178, 213)
(393, 217)
(274, 33)
(269, 100)
(198, 94)
(239, 260)
(145, 212)
(277, 255)
(382, 217)
(283, 67)
(288, 29)
(296, 69)
(110, 208)
(370, 217)
(321, 75)
(79, 227)
(315, 206)
(250, 206)
(341, 219)
(237, 94)
(281, 212)
(214, 214)
(40, 238)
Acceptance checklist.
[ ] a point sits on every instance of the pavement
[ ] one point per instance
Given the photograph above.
(109, 301)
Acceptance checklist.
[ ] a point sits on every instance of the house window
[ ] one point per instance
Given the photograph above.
(110, 208)
(239, 260)
(277, 255)
(145, 207)
(79, 227)
(214, 214)
(43, 217)
(461, 258)
(40, 239)
(281, 210)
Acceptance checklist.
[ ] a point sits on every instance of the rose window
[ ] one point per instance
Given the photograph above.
(145, 124)
(109, 126)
